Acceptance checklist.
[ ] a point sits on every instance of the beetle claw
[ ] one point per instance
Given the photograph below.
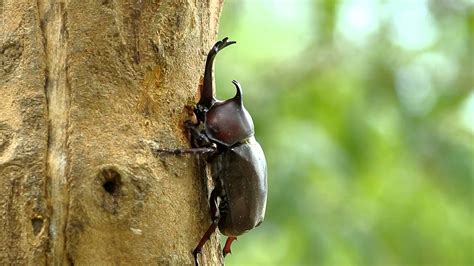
(196, 252)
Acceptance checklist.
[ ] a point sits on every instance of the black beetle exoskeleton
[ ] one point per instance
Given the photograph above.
(225, 133)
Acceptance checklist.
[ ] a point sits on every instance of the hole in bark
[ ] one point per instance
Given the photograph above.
(37, 224)
(110, 187)
(112, 181)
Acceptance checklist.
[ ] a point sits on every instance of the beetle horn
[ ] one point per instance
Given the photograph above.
(208, 91)
(238, 94)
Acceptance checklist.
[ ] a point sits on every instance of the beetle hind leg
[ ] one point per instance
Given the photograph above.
(226, 250)
(212, 228)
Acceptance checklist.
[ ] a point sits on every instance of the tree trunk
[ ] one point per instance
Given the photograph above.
(84, 85)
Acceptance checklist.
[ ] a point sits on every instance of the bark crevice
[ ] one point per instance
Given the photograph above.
(53, 27)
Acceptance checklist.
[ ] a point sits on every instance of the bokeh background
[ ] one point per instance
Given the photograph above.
(365, 110)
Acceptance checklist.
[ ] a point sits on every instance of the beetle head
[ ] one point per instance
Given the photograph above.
(228, 122)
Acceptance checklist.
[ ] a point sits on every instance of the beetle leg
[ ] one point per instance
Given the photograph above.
(185, 150)
(228, 243)
(212, 228)
(201, 143)
(199, 138)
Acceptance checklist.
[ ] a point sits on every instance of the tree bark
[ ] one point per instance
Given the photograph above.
(84, 85)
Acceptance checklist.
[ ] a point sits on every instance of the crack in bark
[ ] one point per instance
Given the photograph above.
(53, 18)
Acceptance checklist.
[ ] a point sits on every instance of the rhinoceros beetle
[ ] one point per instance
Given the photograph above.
(225, 134)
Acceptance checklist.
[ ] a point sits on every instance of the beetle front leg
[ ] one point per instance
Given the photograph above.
(199, 139)
(200, 142)
(185, 150)
(215, 215)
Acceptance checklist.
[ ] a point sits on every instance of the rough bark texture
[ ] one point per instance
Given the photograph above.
(83, 86)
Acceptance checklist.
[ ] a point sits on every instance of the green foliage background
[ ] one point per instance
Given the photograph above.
(365, 110)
